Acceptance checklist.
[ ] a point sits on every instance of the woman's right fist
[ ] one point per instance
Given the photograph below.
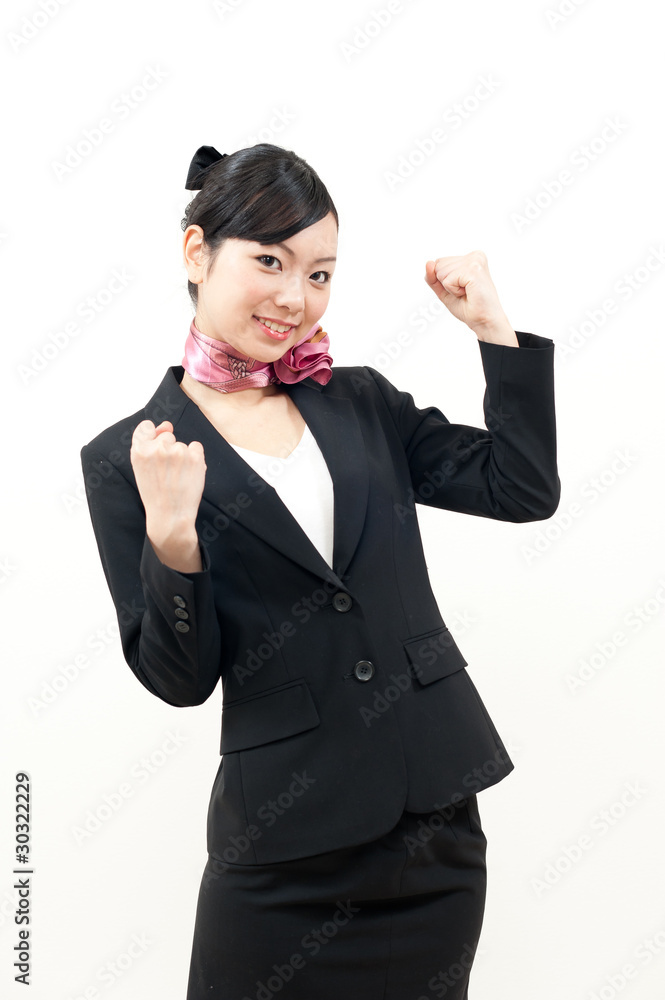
(170, 476)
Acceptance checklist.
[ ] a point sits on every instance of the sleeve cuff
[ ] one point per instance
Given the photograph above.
(523, 340)
(152, 558)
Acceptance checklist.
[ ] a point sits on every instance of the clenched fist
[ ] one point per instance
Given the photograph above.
(170, 476)
(465, 287)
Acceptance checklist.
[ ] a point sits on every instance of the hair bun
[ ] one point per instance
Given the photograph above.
(204, 157)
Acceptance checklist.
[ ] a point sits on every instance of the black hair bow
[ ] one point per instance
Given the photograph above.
(204, 157)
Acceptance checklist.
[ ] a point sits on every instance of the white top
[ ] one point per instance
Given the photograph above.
(304, 485)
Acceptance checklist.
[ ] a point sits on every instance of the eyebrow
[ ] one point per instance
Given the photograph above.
(319, 260)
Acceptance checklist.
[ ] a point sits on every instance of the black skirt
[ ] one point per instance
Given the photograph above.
(395, 919)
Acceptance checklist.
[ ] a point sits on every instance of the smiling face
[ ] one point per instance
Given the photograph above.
(287, 284)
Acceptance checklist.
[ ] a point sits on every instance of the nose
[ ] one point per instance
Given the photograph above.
(291, 294)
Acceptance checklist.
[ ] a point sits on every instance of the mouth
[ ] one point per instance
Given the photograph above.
(281, 330)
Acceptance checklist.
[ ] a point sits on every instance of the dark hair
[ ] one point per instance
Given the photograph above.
(262, 193)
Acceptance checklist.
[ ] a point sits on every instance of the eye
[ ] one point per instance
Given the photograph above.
(268, 260)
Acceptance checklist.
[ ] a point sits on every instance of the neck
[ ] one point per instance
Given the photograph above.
(199, 392)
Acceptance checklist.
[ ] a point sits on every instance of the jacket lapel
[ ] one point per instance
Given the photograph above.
(335, 427)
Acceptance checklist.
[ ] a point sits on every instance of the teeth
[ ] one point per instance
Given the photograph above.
(274, 326)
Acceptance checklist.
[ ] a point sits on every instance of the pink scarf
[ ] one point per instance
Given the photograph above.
(220, 365)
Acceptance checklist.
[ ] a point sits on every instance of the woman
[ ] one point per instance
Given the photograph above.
(256, 522)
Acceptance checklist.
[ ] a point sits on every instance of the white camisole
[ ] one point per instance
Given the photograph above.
(304, 485)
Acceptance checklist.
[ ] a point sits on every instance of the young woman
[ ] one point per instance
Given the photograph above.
(256, 522)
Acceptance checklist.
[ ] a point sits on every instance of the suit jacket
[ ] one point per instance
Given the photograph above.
(345, 697)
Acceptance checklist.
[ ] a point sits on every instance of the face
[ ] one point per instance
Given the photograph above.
(286, 283)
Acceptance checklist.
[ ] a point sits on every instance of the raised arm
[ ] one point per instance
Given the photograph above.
(168, 625)
(508, 469)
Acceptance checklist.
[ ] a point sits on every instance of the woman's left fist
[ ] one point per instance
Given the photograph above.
(464, 286)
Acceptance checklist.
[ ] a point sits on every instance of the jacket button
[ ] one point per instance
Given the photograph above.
(182, 626)
(364, 670)
(180, 601)
(341, 602)
(181, 613)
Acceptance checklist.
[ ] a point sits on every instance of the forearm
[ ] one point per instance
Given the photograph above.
(175, 650)
(520, 413)
(173, 646)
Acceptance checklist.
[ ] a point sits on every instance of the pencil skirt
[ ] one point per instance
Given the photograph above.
(398, 918)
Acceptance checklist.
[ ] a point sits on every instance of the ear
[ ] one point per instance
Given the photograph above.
(193, 254)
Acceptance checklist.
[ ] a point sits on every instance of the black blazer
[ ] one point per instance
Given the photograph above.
(345, 697)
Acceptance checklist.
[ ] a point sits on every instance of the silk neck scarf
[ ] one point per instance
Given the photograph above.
(222, 367)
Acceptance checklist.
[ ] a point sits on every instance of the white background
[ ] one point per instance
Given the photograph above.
(544, 596)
